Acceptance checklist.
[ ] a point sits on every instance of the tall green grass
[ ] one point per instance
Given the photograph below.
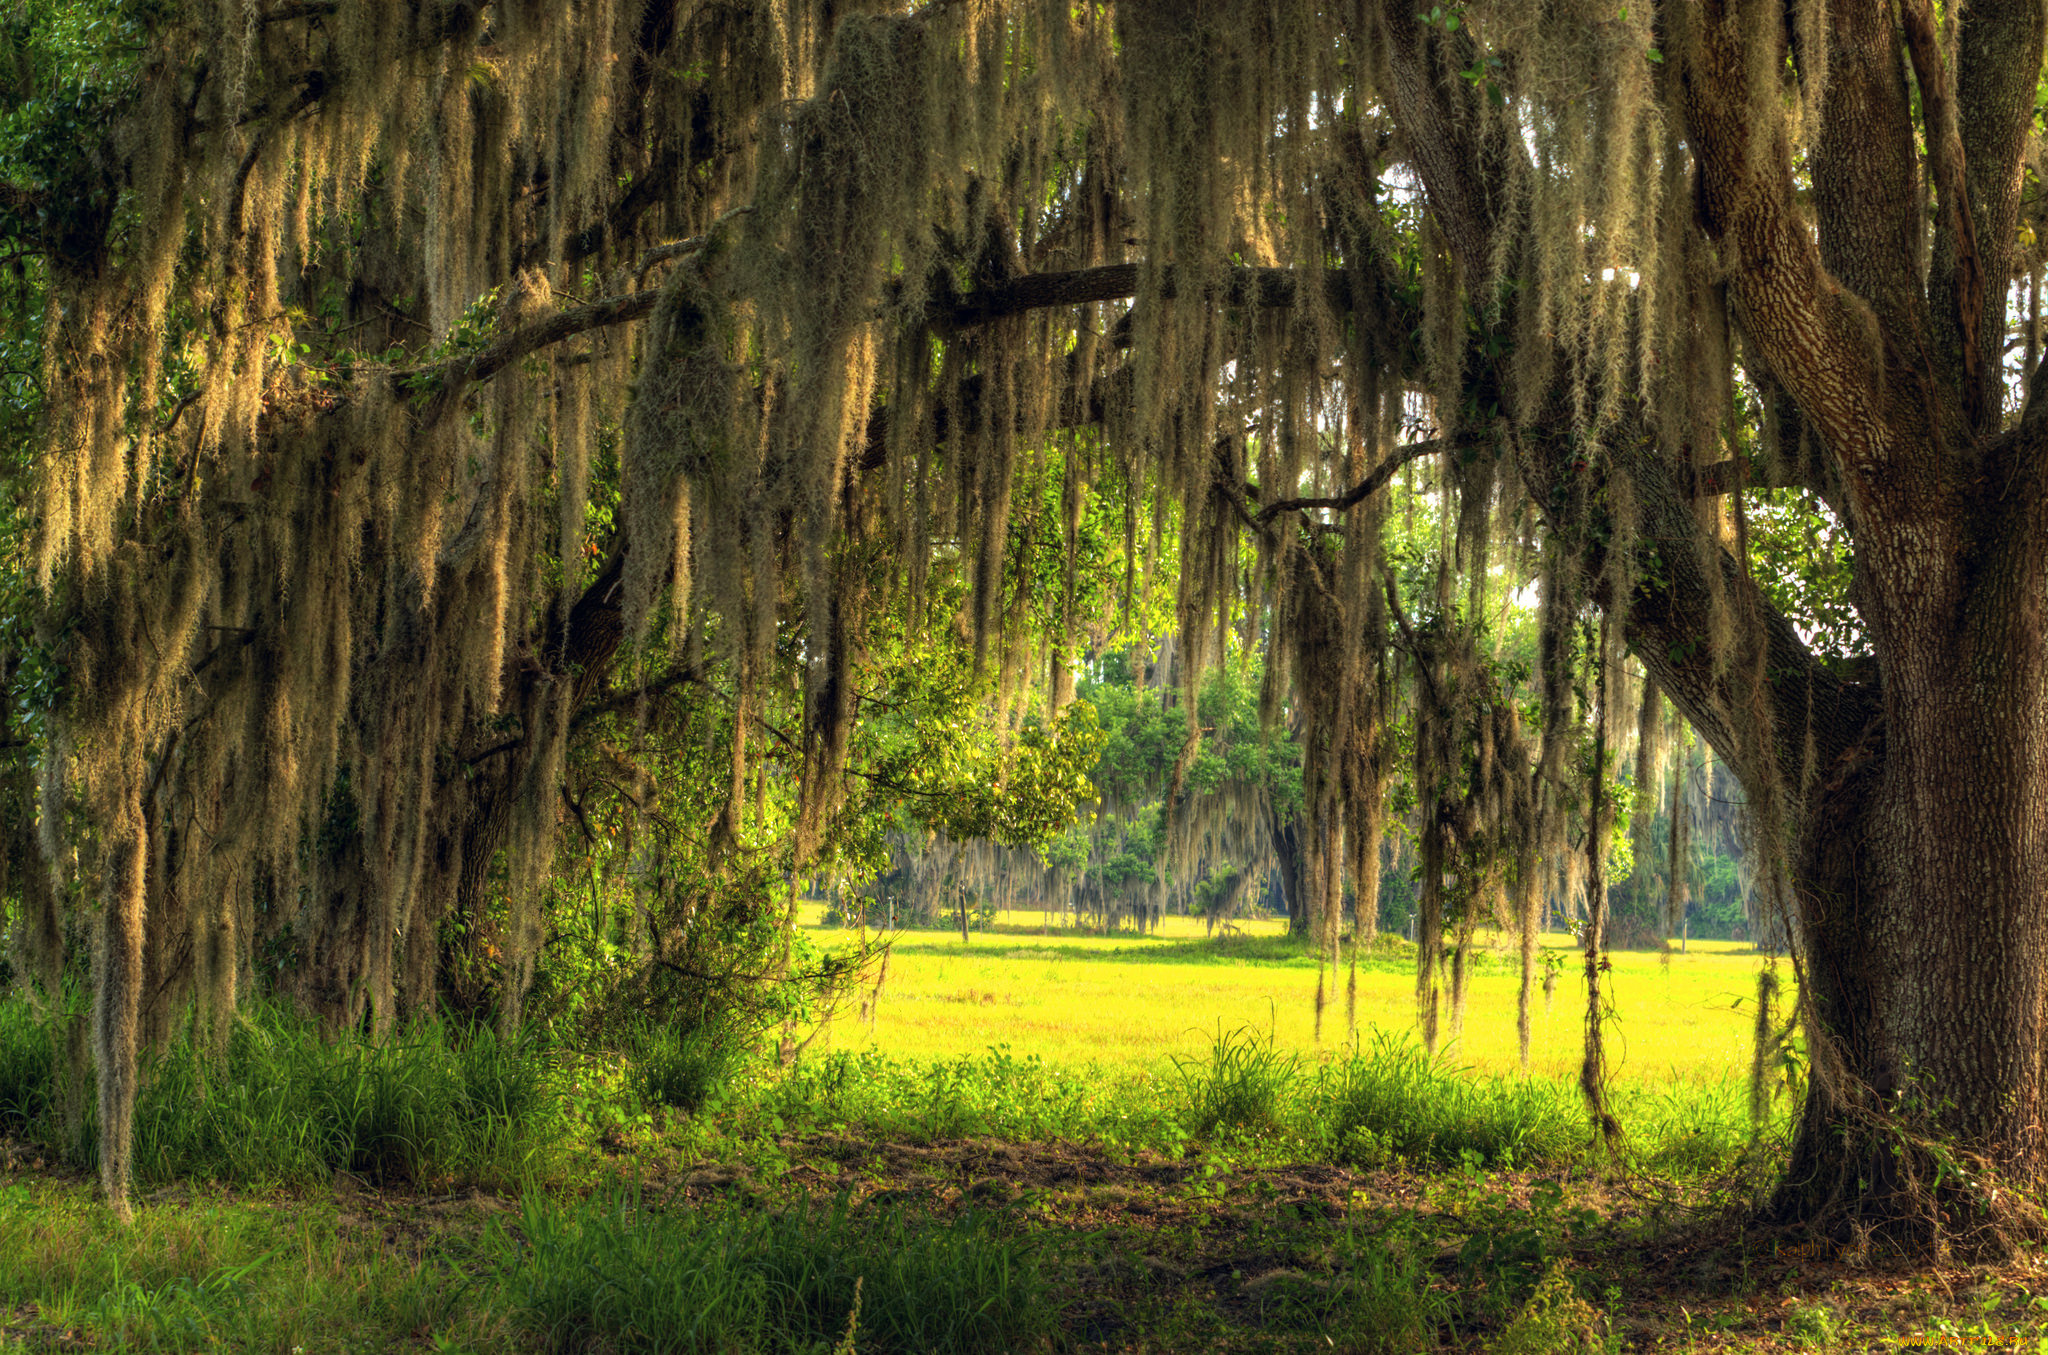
(995, 1094)
(245, 1276)
(27, 1068)
(281, 1105)
(1244, 1085)
(1390, 1102)
(690, 1070)
(610, 1274)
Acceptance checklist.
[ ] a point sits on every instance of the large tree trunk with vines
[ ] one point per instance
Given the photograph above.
(1920, 885)
(1922, 894)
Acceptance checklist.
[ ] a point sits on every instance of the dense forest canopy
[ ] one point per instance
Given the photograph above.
(701, 438)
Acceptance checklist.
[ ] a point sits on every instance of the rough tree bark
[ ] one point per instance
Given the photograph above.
(1293, 888)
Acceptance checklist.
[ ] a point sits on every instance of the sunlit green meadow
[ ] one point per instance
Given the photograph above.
(1135, 1000)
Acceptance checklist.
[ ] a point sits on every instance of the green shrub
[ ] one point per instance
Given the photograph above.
(608, 1273)
(1242, 1085)
(1391, 1101)
(687, 1070)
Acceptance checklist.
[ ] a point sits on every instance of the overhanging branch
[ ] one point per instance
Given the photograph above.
(1374, 480)
(1274, 287)
(1733, 475)
(1278, 287)
(450, 377)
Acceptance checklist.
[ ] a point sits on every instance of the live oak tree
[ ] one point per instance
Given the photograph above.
(344, 301)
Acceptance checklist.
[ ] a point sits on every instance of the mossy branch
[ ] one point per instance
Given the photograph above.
(450, 378)
(1035, 291)
(1376, 479)
(311, 9)
(1274, 287)
(1734, 474)
(648, 188)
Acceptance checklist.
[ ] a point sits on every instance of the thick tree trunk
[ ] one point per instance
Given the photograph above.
(1922, 894)
(117, 1011)
(1293, 883)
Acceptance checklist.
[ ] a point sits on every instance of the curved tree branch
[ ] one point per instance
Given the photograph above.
(1818, 339)
(1375, 479)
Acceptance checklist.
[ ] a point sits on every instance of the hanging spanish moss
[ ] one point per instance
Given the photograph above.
(845, 290)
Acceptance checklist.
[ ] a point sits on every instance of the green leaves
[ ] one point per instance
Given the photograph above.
(1447, 19)
(941, 759)
(1802, 558)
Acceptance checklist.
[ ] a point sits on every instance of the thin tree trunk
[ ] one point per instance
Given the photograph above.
(118, 1009)
(1593, 1070)
(1429, 925)
(1528, 897)
(1676, 882)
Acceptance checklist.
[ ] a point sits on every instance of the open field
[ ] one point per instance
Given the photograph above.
(1128, 999)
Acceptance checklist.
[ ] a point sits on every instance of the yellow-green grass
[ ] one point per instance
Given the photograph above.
(1135, 1000)
(205, 1272)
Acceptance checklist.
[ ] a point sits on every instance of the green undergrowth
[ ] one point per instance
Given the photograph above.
(27, 1068)
(732, 1247)
(430, 1108)
(1374, 1292)
(996, 1094)
(280, 1105)
(687, 1071)
(610, 1274)
(219, 1275)
(1381, 1103)
(603, 1273)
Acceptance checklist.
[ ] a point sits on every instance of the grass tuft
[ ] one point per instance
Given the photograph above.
(27, 1068)
(1243, 1085)
(1390, 1102)
(687, 1071)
